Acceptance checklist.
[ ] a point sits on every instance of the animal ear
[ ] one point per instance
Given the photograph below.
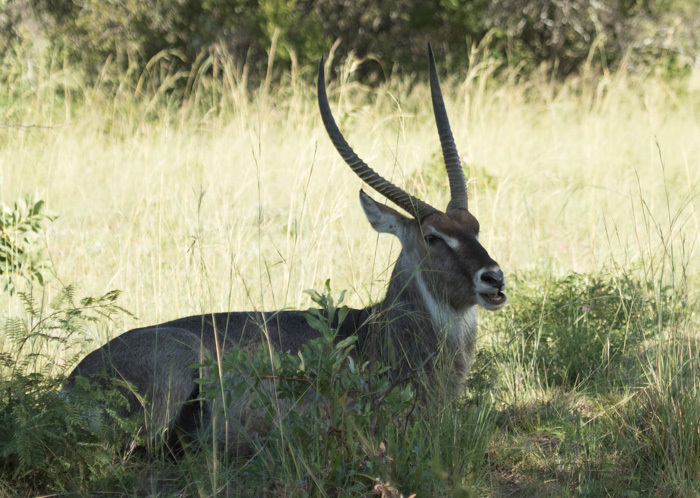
(382, 218)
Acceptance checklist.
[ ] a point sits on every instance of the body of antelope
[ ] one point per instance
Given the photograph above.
(428, 312)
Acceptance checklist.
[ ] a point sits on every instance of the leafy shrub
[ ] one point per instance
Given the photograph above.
(49, 439)
(20, 254)
(130, 34)
(564, 35)
(568, 34)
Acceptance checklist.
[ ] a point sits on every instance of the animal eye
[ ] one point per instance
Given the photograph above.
(431, 239)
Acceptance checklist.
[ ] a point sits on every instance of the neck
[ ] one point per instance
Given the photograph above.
(417, 322)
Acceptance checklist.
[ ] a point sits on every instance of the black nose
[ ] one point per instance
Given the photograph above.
(494, 279)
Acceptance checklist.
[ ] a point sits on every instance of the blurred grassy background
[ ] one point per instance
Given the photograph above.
(224, 200)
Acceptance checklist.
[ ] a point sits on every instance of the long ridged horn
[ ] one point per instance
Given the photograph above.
(458, 186)
(401, 198)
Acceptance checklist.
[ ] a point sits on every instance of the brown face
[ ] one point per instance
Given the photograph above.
(456, 264)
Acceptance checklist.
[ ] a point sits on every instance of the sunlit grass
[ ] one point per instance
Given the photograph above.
(151, 193)
(193, 194)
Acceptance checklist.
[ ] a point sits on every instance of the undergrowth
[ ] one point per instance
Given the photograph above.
(48, 441)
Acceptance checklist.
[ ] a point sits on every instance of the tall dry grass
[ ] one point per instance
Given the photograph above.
(228, 201)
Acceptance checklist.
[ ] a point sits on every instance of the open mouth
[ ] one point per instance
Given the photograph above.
(494, 298)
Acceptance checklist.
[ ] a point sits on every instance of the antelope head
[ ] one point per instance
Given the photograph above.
(442, 249)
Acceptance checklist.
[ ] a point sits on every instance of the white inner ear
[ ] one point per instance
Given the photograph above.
(382, 218)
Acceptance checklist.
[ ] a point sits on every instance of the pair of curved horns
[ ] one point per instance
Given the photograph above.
(407, 202)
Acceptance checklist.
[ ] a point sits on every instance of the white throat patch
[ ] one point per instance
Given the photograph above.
(457, 326)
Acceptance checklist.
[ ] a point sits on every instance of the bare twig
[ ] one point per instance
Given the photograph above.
(402, 380)
(396, 383)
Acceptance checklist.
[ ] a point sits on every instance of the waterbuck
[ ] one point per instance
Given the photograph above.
(427, 318)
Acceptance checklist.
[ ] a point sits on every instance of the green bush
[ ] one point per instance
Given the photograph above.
(564, 35)
(49, 440)
(21, 256)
